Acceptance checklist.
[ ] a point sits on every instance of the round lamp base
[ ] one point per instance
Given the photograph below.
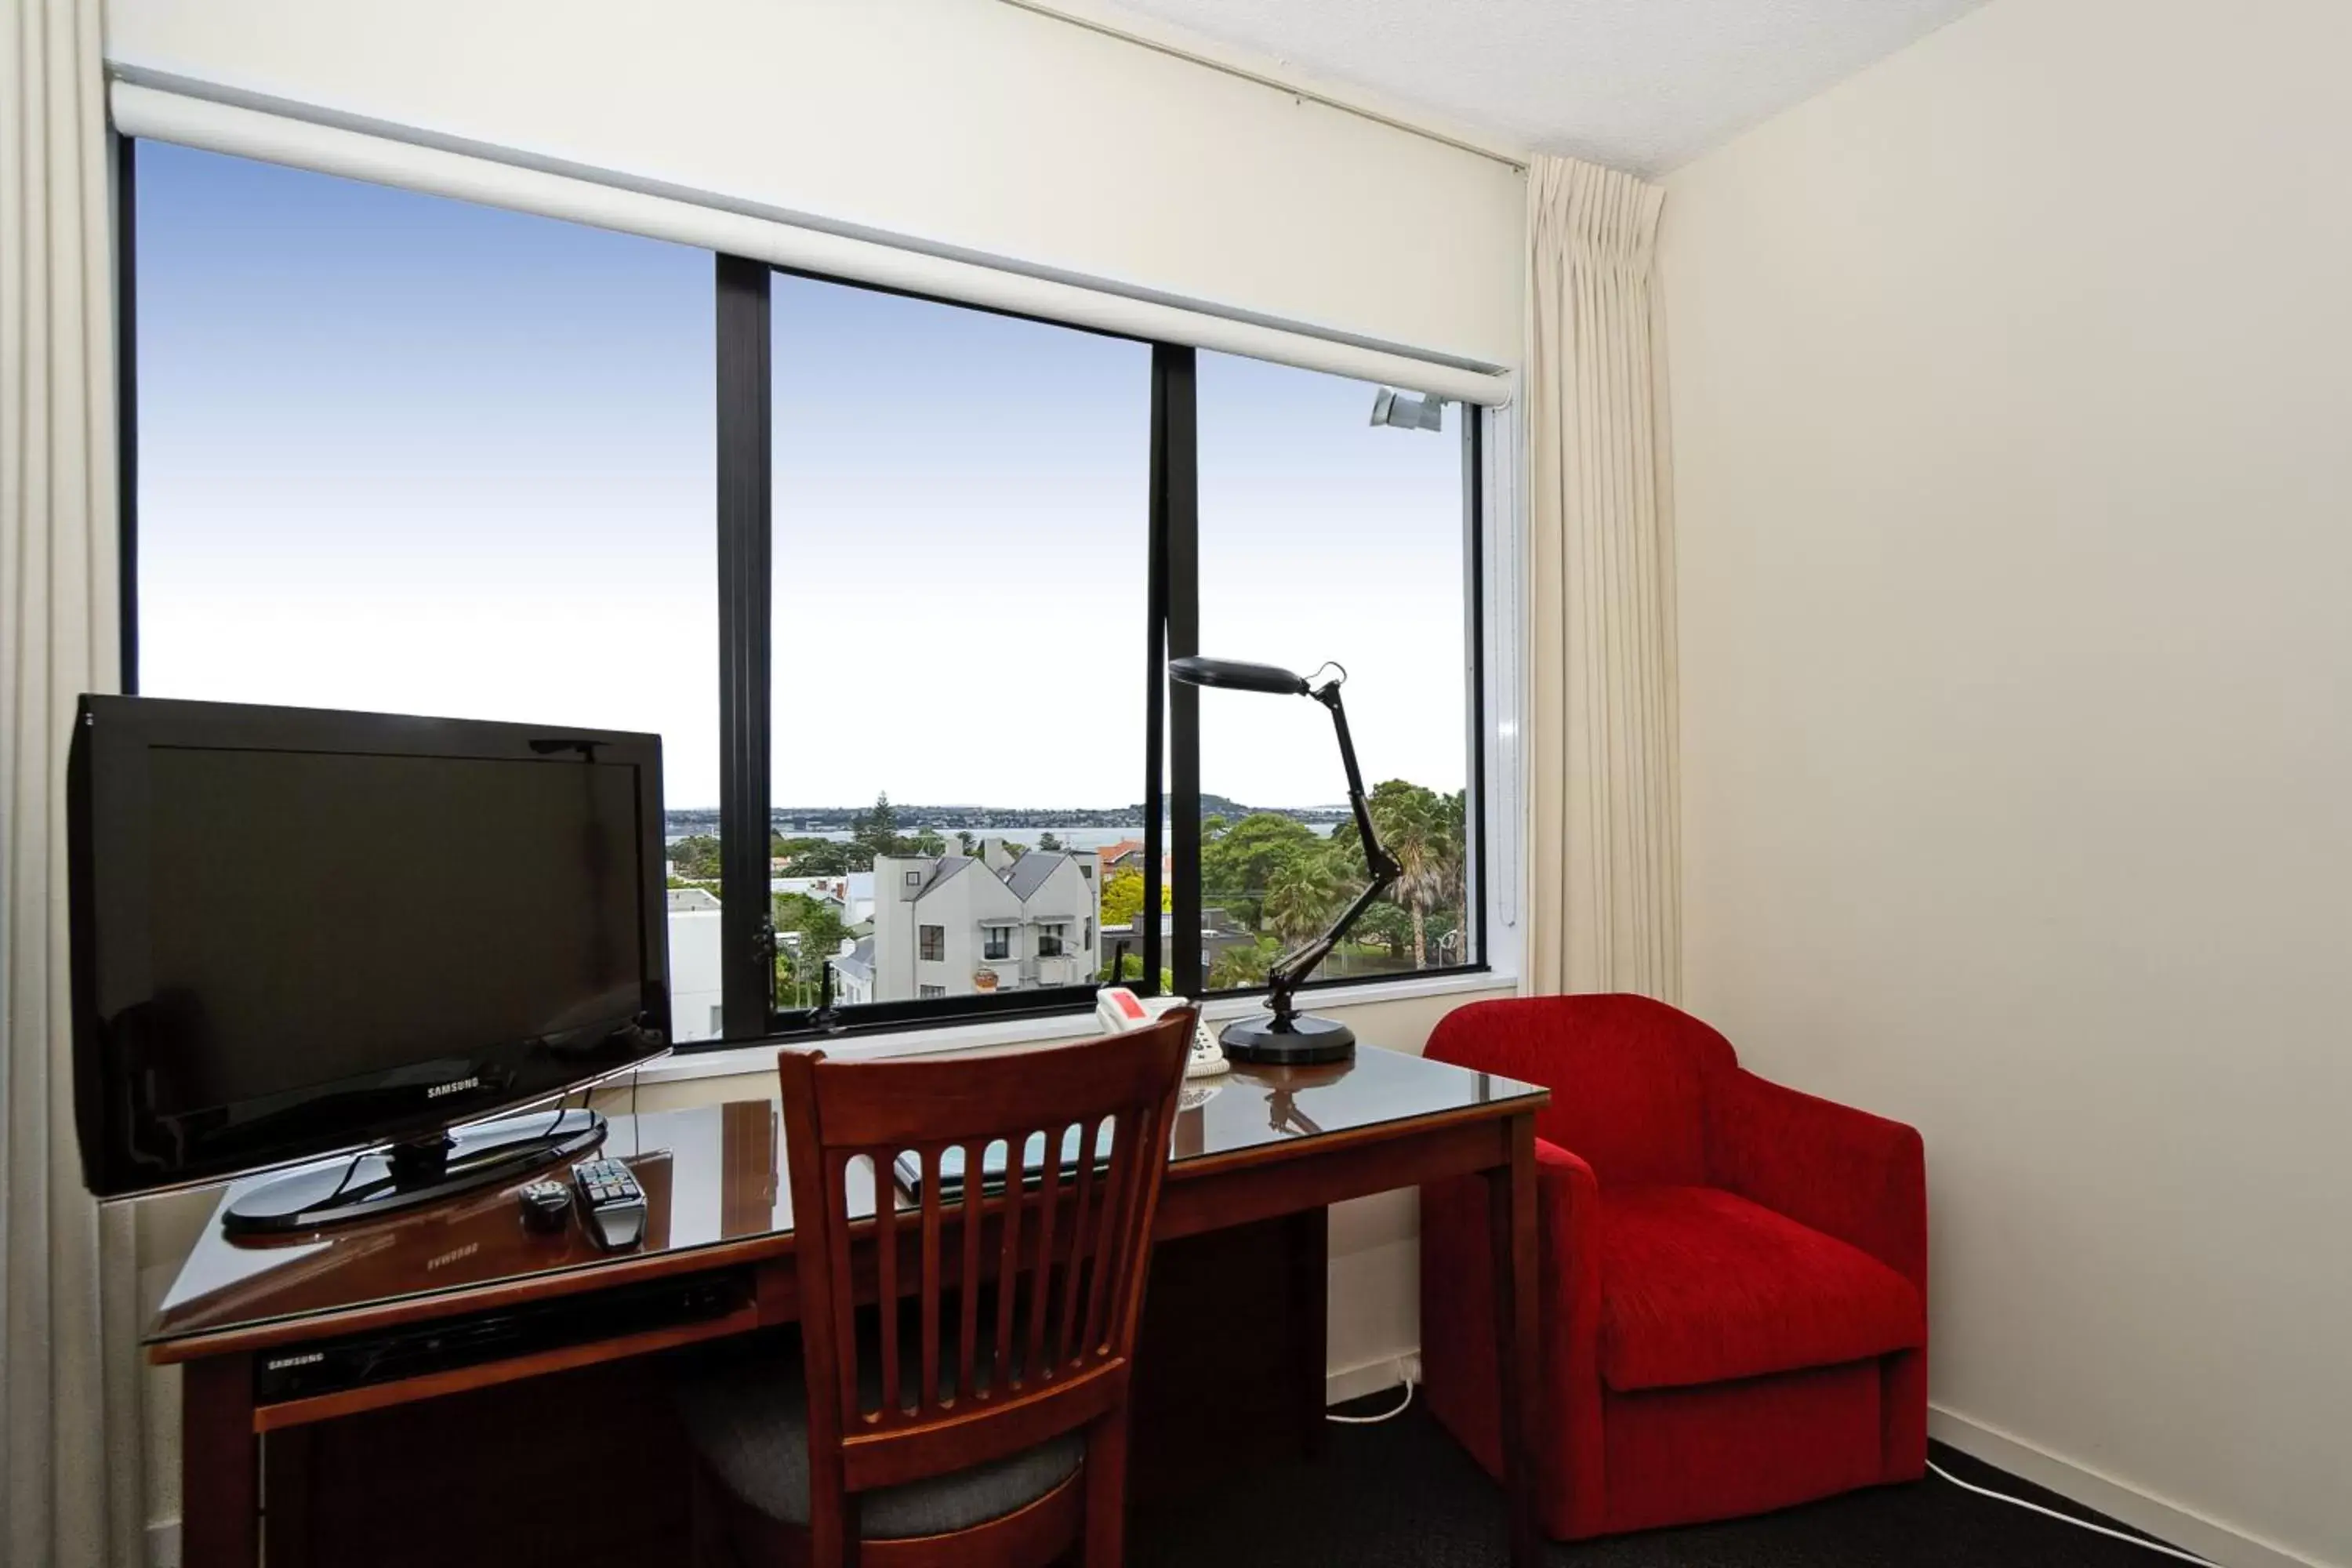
(1307, 1041)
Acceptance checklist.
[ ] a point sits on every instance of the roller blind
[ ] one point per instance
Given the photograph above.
(973, 151)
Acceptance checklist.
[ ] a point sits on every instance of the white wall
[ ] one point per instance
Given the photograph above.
(2010, 384)
(960, 123)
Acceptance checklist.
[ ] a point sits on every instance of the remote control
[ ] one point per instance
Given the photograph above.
(612, 1204)
(544, 1204)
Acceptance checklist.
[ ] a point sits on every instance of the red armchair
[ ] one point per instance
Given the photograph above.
(1732, 1275)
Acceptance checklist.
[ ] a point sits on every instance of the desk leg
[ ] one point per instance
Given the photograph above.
(1307, 1247)
(220, 1463)
(1511, 1229)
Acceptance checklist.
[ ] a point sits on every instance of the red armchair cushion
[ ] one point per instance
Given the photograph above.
(1699, 1285)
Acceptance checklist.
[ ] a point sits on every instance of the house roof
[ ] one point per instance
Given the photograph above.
(1028, 874)
(945, 867)
(858, 961)
(1125, 847)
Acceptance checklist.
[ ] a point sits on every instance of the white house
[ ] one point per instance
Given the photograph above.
(957, 925)
(694, 983)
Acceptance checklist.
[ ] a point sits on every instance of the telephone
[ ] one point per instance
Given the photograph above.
(1119, 1010)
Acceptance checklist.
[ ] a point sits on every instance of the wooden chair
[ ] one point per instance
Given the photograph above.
(970, 1370)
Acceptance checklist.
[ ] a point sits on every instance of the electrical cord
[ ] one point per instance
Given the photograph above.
(2070, 1519)
(1402, 1405)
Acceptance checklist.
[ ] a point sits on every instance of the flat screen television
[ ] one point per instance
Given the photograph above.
(297, 933)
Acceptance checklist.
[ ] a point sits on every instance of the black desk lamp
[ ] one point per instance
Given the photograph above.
(1283, 1034)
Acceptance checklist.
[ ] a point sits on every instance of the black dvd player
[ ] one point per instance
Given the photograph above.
(388, 1355)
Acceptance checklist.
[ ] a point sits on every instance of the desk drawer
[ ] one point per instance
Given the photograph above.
(445, 1344)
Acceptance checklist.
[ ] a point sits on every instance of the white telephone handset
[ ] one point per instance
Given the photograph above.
(1121, 1010)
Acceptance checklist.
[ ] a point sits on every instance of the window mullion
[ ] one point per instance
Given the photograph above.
(747, 962)
(1182, 542)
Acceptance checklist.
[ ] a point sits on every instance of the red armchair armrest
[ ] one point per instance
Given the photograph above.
(1843, 1172)
(1458, 1329)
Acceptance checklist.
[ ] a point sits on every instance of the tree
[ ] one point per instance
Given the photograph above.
(928, 842)
(877, 829)
(695, 856)
(1047, 842)
(1238, 868)
(965, 841)
(1122, 898)
(1130, 968)
(1303, 895)
(808, 932)
(1421, 831)
(1240, 968)
(1410, 821)
(819, 857)
(1385, 925)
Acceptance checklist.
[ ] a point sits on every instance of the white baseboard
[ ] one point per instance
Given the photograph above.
(2183, 1527)
(163, 1543)
(1343, 1383)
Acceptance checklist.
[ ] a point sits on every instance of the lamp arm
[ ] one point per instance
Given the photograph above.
(1285, 975)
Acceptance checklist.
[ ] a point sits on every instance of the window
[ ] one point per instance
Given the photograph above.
(1296, 485)
(402, 453)
(961, 509)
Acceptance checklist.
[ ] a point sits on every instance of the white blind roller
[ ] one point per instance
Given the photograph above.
(970, 149)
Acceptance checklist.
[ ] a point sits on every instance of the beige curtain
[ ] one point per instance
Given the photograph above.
(1605, 863)
(70, 1487)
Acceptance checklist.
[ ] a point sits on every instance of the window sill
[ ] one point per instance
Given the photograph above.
(761, 1058)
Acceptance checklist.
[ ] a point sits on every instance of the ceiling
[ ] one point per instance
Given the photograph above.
(1642, 85)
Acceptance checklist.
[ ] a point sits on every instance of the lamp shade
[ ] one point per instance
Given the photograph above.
(1233, 675)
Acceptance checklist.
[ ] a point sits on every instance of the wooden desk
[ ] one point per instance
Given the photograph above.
(1265, 1143)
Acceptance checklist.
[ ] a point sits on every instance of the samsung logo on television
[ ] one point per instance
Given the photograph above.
(455, 1086)
(312, 1359)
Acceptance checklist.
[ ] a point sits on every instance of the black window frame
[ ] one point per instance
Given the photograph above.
(743, 518)
(931, 942)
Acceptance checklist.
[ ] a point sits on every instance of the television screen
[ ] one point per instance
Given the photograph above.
(298, 932)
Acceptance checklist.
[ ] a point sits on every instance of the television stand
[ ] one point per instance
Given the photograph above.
(422, 1171)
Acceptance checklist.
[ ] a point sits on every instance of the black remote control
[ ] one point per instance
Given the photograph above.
(612, 1204)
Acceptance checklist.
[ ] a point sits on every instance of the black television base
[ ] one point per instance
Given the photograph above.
(386, 1180)
(1303, 1041)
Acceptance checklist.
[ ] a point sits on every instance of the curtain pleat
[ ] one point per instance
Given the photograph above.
(72, 1491)
(1605, 863)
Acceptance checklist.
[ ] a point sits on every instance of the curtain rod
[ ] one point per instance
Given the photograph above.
(1191, 57)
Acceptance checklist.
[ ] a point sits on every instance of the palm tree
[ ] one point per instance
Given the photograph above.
(1302, 894)
(1239, 968)
(1410, 821)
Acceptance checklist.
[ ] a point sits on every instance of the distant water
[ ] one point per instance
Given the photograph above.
(1071, 837)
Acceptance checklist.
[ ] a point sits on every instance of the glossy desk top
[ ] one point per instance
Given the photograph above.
(713, 1178)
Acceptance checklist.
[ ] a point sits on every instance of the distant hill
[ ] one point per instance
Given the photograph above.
(979, 818)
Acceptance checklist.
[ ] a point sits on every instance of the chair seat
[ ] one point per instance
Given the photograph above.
(747, 1414)
(1699, 1285)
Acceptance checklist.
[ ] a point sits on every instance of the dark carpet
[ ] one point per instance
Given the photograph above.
(1403, 1494)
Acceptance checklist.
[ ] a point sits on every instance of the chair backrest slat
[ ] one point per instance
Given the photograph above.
(928, 1329)
(999, 1311)
(1034, 1366)
(886, 1263)
(967, 1292)
(1084, 1181)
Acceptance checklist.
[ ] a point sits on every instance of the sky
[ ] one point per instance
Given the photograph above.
(406, 454)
